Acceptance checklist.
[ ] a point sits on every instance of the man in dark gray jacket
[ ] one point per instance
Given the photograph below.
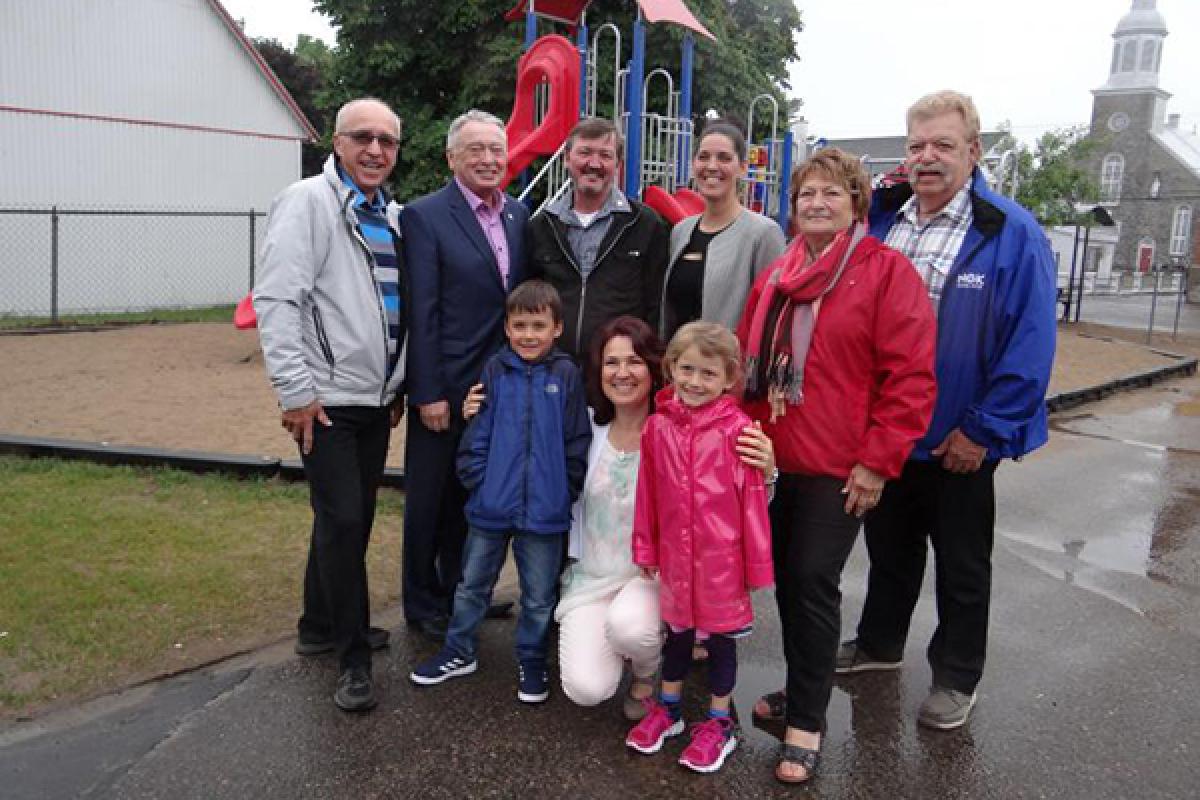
(604, 252)
(330, 299)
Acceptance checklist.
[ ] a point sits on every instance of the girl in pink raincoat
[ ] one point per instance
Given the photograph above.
(701, 526)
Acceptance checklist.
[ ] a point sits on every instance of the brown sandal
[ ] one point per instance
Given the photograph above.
(801, 757)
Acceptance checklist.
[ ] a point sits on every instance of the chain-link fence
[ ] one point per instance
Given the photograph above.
(75, 261)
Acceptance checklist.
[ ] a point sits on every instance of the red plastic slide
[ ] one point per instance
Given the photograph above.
(673, 208)
(553, 60)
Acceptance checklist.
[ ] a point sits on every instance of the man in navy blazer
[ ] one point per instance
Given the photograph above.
(464, 245)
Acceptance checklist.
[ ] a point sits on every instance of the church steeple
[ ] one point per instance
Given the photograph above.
(1137, 48)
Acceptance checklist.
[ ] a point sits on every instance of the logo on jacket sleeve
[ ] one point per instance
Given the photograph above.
(970, 280)
(551, 388)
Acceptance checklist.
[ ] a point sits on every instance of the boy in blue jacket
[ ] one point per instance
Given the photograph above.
(523, 460)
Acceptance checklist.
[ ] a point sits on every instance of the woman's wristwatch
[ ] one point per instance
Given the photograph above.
(774, 477)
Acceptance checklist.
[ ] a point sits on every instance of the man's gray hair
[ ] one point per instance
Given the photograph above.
(947, 101)
(340, 120)
(474, 115)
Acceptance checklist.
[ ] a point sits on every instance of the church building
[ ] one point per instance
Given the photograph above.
(1146, 164)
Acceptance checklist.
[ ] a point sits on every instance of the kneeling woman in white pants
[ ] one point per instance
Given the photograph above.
(607, 613)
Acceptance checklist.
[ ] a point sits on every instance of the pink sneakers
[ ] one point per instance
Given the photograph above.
(654, 729)
(712, 741)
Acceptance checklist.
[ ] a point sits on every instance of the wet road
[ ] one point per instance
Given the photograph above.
(1090, 691)
(1133, 311)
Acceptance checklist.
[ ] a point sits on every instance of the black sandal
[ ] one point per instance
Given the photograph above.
(801, 757)
(776, 703)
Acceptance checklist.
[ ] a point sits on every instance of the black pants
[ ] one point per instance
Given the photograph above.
(435, 527)
(722, 659)
(811, 538)
(344, 470)
(957, 513)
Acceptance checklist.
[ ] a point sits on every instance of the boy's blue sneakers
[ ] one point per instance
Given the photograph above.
(442, 667)
(533, 682)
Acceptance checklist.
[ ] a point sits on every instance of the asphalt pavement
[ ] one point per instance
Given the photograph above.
(1090, 690)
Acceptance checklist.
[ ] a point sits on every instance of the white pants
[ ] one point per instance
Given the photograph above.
(595, 639)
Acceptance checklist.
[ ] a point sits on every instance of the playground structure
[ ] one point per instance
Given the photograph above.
(658, 146)
(558, 83)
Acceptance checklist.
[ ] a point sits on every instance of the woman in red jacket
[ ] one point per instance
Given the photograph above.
(839, 337)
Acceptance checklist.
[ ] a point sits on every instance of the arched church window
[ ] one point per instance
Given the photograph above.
(1149, 51)
(1181, 230)
(1129, 57)
(1111, 174)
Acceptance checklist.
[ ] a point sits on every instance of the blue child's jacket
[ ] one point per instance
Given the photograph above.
(523, 457)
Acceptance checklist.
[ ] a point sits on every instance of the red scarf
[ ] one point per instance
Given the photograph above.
(782, 326)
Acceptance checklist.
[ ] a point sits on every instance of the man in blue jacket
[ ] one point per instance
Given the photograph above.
(991, 279)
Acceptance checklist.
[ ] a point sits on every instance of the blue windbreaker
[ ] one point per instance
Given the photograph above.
(996, 326)
(523, 457)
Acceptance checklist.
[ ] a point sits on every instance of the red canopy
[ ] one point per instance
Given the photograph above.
(569, 11)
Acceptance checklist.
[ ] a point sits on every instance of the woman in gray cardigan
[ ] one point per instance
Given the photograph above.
(715, 256)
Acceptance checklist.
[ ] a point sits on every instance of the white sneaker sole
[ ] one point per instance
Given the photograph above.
(674, 730)
(424, 680)
(716, 765)
(947, 725)
(533, 698)
(869, 666)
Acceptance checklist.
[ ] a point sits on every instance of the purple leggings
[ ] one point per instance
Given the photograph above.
(722, 659)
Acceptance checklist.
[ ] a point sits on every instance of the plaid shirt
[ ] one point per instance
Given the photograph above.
(932, 247)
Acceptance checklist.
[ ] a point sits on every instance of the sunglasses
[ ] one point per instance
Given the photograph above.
(364, 139)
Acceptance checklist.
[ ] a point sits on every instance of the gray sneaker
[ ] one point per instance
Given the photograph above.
(851, 659)
(945, 709)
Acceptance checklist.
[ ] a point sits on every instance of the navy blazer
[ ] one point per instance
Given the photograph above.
(456, 317)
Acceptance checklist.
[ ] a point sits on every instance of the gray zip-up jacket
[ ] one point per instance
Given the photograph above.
(734, 260)
(321, 320)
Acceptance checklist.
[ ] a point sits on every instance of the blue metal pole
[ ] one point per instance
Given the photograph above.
(530, 26)
(685, 85)
(581, 41)
(633, 104)
(785, 181)
(683, 159)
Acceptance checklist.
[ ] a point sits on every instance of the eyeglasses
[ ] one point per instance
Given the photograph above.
(364, 139)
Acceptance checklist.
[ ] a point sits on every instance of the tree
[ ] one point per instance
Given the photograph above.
(1054, 177)
(432, 61)
(304, 73)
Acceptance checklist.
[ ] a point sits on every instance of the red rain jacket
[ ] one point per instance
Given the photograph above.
(869, 384)
(701, 515)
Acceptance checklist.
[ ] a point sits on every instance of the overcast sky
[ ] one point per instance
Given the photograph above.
(1030, 62)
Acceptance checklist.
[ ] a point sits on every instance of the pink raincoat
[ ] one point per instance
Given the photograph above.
(701, 515)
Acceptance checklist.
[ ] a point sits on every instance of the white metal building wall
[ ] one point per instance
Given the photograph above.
(78, 163)
(162, 63)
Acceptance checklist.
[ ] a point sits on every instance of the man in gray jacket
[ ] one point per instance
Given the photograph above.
(331, 305)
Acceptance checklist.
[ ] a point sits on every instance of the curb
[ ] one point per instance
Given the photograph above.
(1090, 394)
(197, 461)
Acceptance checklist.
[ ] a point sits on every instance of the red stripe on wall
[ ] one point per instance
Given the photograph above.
(182, 126)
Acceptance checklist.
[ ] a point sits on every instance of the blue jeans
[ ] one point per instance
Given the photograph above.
(538, 557)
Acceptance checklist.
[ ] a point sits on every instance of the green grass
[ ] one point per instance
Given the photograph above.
(222, 313)
(112, 574)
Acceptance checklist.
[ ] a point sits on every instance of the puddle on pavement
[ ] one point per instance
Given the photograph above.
(864, 707)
